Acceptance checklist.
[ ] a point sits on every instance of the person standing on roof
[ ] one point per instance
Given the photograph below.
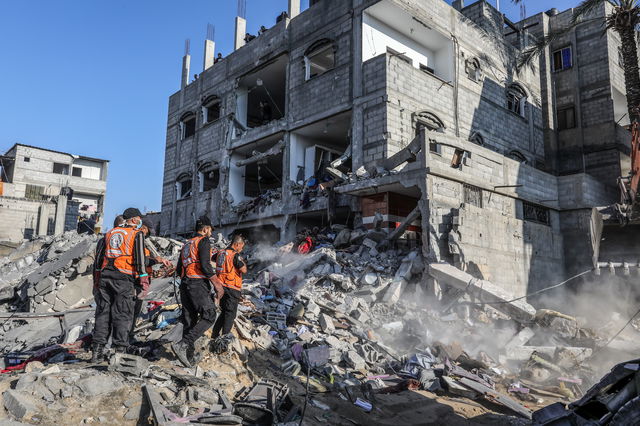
(121, 262)
(230, 267)
(198, 303)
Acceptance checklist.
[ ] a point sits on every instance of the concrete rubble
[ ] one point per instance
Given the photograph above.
(353, 323)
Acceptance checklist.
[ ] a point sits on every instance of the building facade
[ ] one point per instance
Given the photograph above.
(413, 111)
(46, 192)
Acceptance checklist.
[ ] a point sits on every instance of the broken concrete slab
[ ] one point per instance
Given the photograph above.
(394, 291)
(523, 353)
(485, 291)
(99, 384)
(326, 324)
(19, 404)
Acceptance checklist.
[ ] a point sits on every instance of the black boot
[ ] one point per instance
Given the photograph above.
(180, 349)
(97, 354)
(193, 358)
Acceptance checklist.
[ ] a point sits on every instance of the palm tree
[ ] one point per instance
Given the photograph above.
(624, 20)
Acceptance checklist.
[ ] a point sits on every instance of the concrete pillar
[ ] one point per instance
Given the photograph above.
(458, 4)
(209, 53)
(61, 213)
(241, 31)
(186, 66)
(43, 219)
(294, 8)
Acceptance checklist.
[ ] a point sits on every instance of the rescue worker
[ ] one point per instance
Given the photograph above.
(230, 267)
(118, 221)
(150, 262)
(198, 304)
(122, 263)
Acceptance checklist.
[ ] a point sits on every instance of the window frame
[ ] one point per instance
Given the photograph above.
(536, 218)
(188, 116)
(562, 59)
(206, 105)
(73, 170)
(65, 167)
(564, 110)
(179, 189)
(317, 48)
(513, 91)
(473, 70)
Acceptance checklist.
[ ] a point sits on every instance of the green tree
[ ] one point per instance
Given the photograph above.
(623, 19)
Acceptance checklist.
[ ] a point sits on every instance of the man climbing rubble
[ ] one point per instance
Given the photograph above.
(197, 276)
(230, 268)
(121, 260)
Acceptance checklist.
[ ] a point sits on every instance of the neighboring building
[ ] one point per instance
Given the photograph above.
(45, 192)
(350, 85)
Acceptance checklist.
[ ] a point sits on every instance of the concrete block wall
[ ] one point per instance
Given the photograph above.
(18, 214)
(482, 106)
(322, 96)
(583, 191)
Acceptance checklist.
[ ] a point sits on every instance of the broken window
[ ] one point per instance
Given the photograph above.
(28, 233)
(516, 99)
(536, 213)
(458, 158)
(211, 109)
(208, 178)
(319, 58)
(187, 125)
(76, 171)
(562, 59)
(261, 94)
(321, 150)
(472, 195)
(472, 69)
(34, 192)
(517, 155)
(429, 121)
(61, 168)
(183, 187)
(566, 118)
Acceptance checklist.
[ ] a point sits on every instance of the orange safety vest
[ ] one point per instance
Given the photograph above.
(118, 249)
(191, 267)
(228, 274)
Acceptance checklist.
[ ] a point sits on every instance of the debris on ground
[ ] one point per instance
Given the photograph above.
(347, 333)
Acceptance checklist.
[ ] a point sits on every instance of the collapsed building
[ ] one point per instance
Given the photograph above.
(416, 111)
(45, 192)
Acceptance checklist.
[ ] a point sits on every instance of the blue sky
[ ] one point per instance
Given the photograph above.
(94, 77)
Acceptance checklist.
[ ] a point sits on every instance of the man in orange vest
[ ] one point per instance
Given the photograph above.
(197, 276)
(122, 261)
(230, 266)
(150, 261)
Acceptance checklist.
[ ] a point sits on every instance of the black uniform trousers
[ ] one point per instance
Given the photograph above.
(229, 307)
(198, 308)
(115, 300)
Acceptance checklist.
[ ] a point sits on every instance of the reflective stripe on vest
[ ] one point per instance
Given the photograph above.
(230, 276)
(191, 267)
(118, 249)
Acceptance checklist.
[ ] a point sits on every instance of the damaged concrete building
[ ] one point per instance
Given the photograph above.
(46, 192)
(411, 115)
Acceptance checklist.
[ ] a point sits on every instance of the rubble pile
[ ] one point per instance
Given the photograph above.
(346, 332)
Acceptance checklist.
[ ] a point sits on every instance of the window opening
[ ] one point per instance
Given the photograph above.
(562, 59)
